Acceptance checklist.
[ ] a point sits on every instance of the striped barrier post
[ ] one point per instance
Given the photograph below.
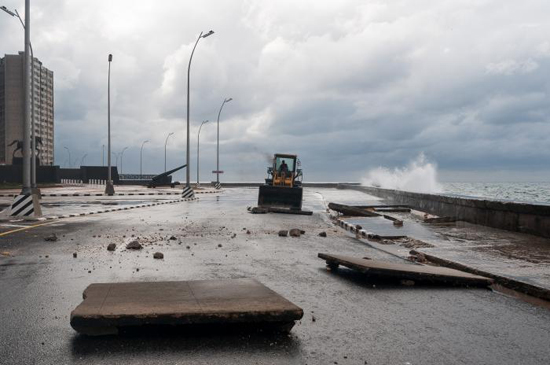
(25, 205)
(188, 192)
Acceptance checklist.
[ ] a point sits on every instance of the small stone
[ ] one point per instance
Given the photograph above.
(283, 233)
(158, 255)
(173, 238)
(134, 245)
(219, 245)
(313, 319)
(398, 223)
(302, 231)
(295, 232)
(188, 247)
(74, 255)
(247, 232)
(323, 234)
(358, 227)
(111, 247)
(233, 235)
(52, 237)
(407, 282)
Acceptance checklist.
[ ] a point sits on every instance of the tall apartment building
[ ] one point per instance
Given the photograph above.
(12, 107)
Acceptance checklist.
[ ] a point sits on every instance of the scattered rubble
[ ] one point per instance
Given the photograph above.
(295, 232)
(417, 257)
(134, 245)
(51, 238)
(258, 210)
(158, 255)
(111, 247)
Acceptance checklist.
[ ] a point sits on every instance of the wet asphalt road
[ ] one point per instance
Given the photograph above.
(347, 319)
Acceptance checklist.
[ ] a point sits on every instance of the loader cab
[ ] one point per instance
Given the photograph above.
(284, 171)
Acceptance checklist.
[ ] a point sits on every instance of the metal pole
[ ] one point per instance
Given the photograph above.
(218, 142)
(198, 151)
(109, 188)
(122, 155)
(27, 121)
(103, 157)
(33, 132)
(188, 170)
(140, 160)
(69, 152)
(165, 143)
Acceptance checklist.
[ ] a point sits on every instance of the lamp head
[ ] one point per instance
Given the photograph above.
(7, 11)
(228, 100)
(110, 57)
(208, 34)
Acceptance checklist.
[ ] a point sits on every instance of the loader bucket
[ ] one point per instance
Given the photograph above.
(282, 197)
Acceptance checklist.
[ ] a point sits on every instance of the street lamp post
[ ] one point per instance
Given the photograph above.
(218, 142)
(109, 188)
(27, 174)
(198, 151)
(69, 152)
(122, 155)
(140, 160)
(165, 143)
(187, 180)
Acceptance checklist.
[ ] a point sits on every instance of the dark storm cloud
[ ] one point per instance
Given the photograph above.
(352, 85)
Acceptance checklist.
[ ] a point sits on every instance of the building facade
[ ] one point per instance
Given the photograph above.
(12, 108)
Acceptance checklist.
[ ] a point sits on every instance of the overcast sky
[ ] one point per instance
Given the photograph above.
(347, 85)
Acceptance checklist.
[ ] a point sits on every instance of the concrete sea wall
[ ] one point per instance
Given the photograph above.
(518, 217)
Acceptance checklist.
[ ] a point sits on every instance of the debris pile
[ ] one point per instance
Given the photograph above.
(51, 238)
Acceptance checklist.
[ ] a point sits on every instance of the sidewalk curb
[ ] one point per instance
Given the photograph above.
(116, 209)
(116, 194)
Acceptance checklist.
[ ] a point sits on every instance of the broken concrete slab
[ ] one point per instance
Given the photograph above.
(352, 211)
(112, 306)
(417, 273)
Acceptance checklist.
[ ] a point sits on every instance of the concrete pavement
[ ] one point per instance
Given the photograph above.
(347, 319)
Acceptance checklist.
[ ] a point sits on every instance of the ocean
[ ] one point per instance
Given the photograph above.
(538, 192)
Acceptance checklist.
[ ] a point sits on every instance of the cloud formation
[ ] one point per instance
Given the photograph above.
(346, 85)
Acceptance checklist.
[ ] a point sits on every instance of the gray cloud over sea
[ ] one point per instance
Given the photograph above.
(346, 85)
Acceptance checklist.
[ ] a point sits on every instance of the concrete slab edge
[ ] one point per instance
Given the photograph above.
(516, 285)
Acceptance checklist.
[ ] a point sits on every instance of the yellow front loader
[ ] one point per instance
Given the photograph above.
(283, 186)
